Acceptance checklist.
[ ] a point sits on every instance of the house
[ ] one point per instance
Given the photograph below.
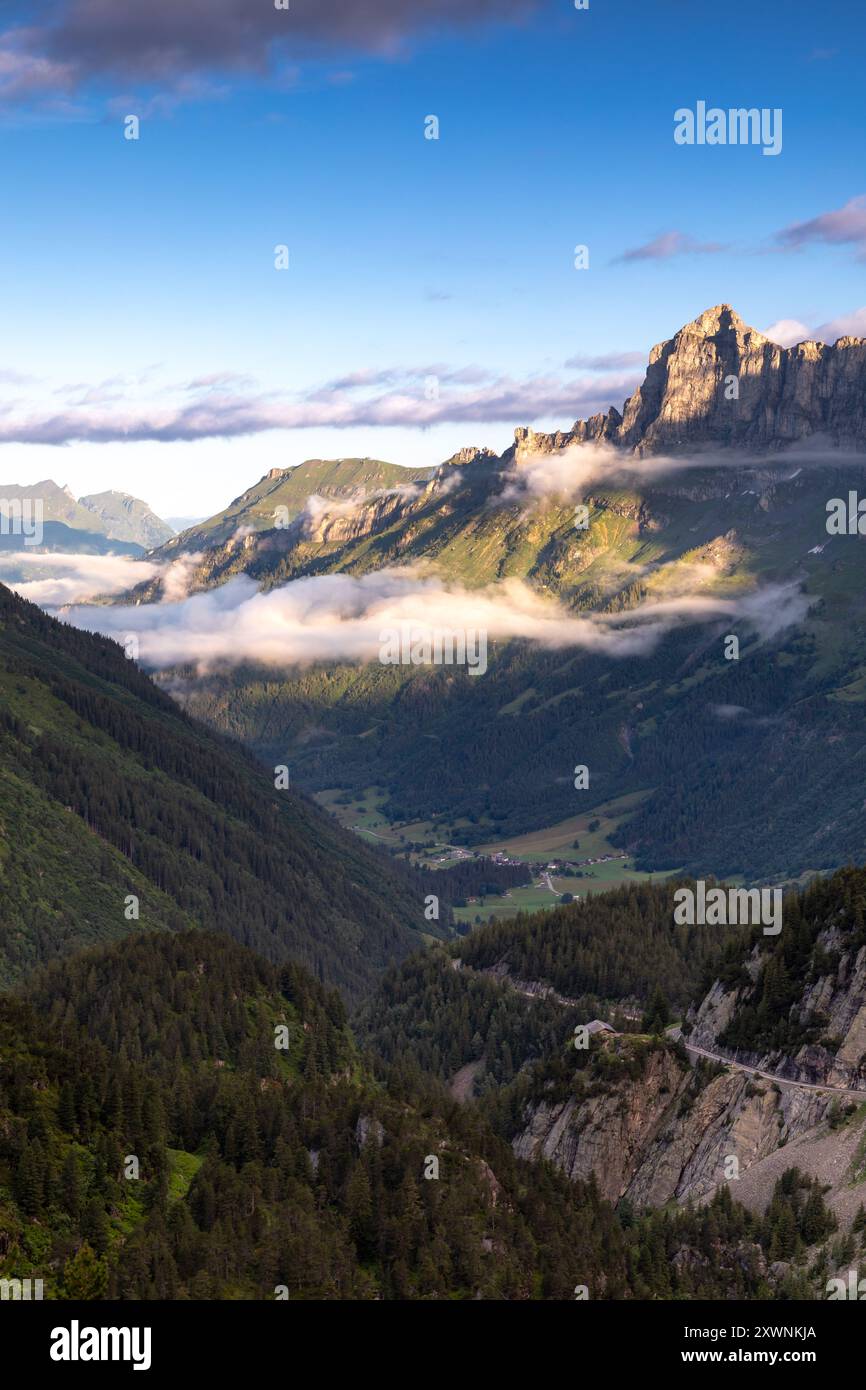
(598, 1025)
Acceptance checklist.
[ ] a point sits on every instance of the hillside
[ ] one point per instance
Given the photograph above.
(155, 1144)
(290, 489)
(655, 1119)
(58, 538)
(261, 1172)
(107, 790)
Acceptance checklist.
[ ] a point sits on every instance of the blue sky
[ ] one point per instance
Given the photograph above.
(141, 303)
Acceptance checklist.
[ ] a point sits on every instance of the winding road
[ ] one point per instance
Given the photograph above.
(770, 1076)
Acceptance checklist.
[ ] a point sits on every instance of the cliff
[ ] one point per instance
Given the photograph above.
(688, 400)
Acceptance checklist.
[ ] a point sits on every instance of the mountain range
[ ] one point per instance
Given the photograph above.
(704, 500)
(104, 523)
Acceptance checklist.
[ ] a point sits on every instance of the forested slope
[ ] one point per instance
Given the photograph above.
(108, 791)
(154, 1143)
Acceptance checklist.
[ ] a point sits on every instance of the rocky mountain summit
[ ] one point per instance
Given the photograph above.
(720, 382)
(717, 388)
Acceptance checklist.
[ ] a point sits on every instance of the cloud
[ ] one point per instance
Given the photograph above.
(670, 244)
(562, 475)
(843, 226)
(318, 513)
(169, 43)
(70, 578)
(25, 74)
(851, 325)
(11, 377)
(385, 397)
(569, 473)
(788, 332)
(343, 618)
(60, 578)
(213, 380)
(177, 576)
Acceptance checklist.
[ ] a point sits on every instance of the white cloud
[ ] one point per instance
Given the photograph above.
(341, 618)
(851, 325)
(569, 473)
(64, 578)
(178, 576)
(787, 332)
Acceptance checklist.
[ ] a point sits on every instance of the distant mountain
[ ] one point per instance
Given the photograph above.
(105, 523)
(713, 482)
(58, 503)
(120, 814)
(125, 518)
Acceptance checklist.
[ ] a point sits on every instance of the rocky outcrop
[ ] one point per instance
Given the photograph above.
(671, 1134)
(469, 454)
(608, 1134)
(719, 383)
(838, 998)
(664, 1131)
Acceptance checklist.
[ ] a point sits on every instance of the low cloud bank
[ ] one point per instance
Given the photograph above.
(60, 578)
(342, 618)
(568, 473)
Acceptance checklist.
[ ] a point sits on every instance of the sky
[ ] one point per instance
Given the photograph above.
(431, 298)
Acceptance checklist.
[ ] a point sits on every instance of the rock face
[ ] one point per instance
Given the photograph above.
(720, 382)
(668, 1132)
(667, 1136)
(839, 998)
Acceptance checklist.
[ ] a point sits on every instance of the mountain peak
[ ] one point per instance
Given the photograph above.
(718, 381)
(720, 319)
